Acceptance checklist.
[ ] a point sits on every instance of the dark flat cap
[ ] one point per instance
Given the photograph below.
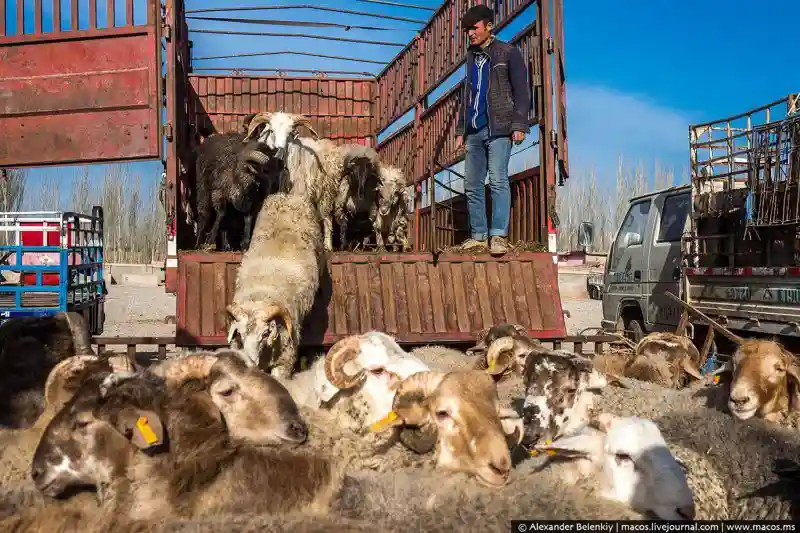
(476, 14)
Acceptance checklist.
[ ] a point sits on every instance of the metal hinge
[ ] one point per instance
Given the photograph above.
(166, 31)
(553, 138)
(551, 45)
(168, 131)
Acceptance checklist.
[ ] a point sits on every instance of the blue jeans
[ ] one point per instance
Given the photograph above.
(492, 154)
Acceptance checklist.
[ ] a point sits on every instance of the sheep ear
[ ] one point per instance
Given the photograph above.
(514, 430)
(587, 443)
(596, 380)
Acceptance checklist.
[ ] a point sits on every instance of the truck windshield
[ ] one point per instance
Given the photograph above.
(635, 222)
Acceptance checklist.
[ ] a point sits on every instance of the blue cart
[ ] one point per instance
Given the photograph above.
(52, 261)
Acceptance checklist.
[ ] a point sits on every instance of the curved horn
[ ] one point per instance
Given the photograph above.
(426, 381)
(257, 157)
(179, 371)
(305, 121)
(274, 312)
(691, 368)
(80, 333)
(62, 372)
(260, 118)
(498, 364)
(342, 352)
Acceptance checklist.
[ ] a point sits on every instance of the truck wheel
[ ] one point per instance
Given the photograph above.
(636, 329)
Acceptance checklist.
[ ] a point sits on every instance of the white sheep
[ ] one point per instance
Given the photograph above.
(356, 379)
(314, 168)
(748, 453)
(277, 283)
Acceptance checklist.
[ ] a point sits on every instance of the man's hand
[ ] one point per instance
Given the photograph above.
(459, 142)
(518, 137)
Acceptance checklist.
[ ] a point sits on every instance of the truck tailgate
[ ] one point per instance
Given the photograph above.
(748, 296)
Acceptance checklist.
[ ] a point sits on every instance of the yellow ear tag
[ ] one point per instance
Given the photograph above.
(491, 366)
(382, 423)
(146, 431)
(534, 453)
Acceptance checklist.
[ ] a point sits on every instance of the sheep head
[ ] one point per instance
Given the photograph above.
(279, 129)
(765, 380)
(680, 353)
(393, 191)
(463, 409)
(92, 439)
(507, 355)
(559, 390)
(488, 335)
(256, 407)
(254, 326)
(636, 468)
(371, 365)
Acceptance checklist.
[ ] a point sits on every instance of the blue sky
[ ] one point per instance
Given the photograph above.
(638, 72)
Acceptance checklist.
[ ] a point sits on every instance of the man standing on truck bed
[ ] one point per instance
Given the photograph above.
(494, 112)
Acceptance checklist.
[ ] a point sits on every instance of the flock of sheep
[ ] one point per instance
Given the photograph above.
(371, 437)
(374, 438)
(236, 171)
(287, 189)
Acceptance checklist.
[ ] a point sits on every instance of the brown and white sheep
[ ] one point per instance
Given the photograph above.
(277, 283)
(190, 468)
(663, 358)
(390, 215)
(765, 381)
(560, 388)
(257, 408)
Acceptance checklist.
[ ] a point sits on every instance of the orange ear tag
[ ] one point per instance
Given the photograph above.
(146, 431)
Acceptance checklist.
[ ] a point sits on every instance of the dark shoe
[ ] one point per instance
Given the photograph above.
(472, 245)
(498, 246)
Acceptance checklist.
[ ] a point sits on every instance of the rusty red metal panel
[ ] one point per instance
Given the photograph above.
(561, 87)
(339, 109)
(438, 130)
(400, 150)
(410, 296)
(104, 84)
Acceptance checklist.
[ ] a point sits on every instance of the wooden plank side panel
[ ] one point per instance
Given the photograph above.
(406, 295)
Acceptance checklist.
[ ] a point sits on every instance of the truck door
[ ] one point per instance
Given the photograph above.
(664, 262)
(626, 266)
(78, 95)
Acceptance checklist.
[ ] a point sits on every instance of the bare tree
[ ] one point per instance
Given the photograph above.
(591, 198)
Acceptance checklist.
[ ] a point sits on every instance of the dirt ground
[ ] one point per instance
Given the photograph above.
(134, 311)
